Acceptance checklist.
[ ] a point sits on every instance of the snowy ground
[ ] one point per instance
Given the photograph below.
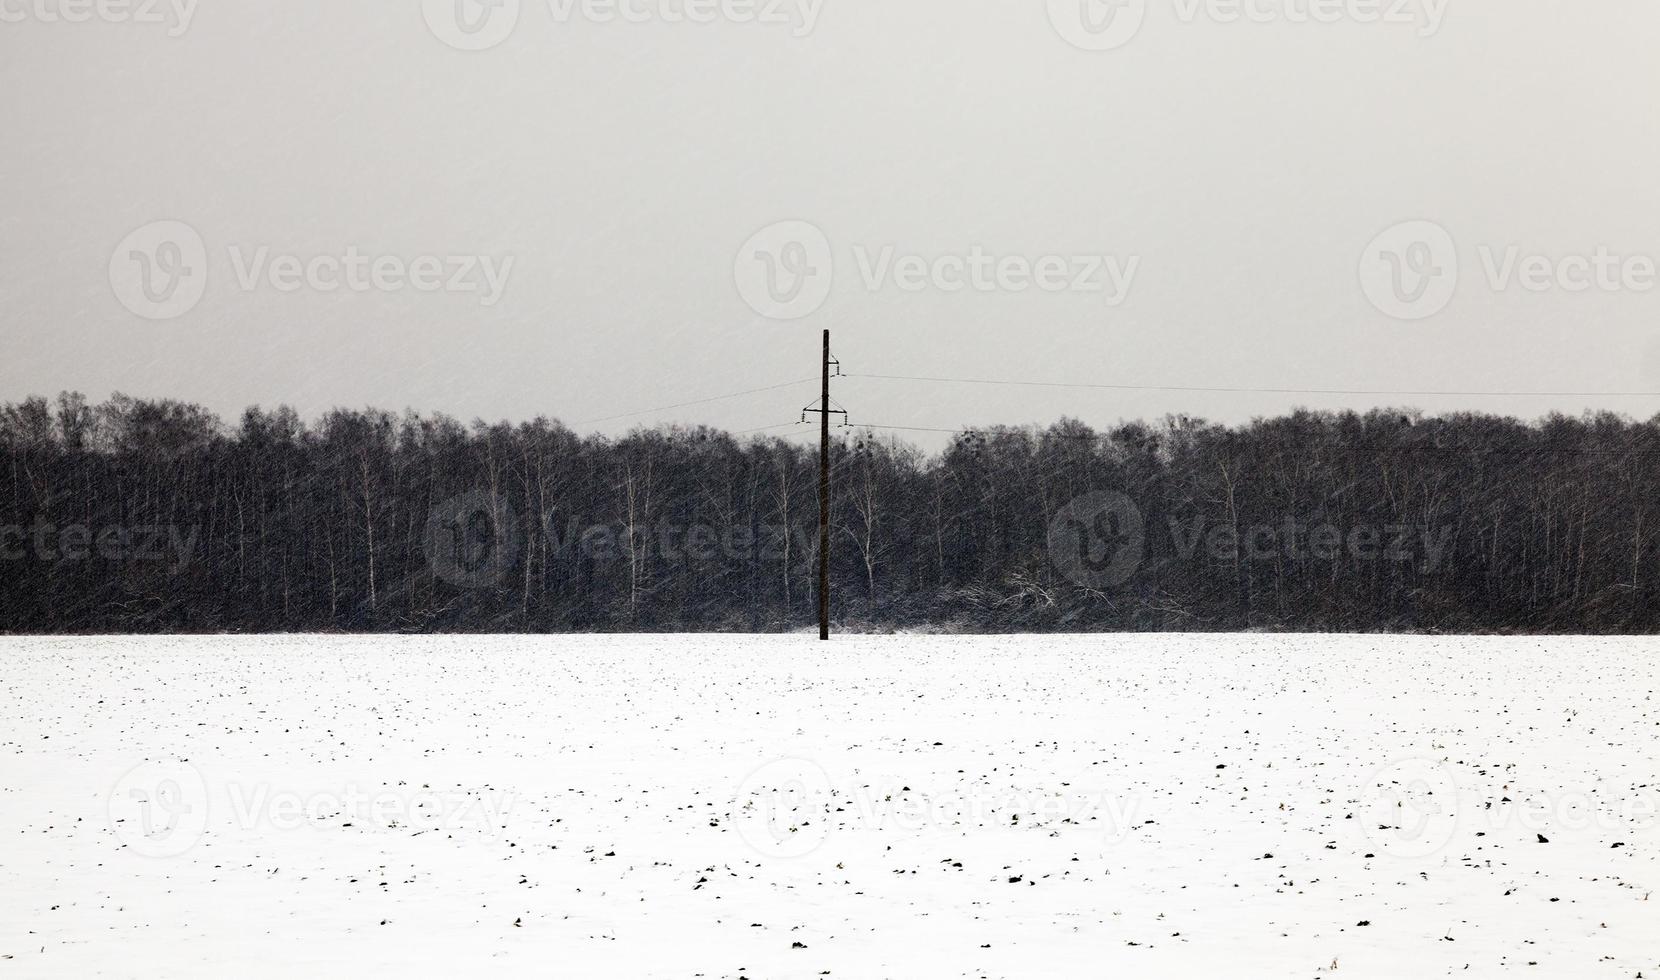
(886, 807)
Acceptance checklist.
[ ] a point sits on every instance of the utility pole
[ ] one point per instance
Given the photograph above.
(824, 500)
(824, 412)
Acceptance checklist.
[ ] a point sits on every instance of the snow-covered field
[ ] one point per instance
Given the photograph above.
(1166, 806)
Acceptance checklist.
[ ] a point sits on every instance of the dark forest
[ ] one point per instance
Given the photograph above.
(156, 516)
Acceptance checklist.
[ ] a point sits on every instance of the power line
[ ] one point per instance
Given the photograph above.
(767, 428)
(1264, 391)
(909, 428)
(700, 401)
(1003, 382)
(1309, 450)
(1284, 450)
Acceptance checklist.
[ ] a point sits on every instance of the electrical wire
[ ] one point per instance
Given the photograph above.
(700, 401)
(1263, 391)
(767, 428)
(1317, 450)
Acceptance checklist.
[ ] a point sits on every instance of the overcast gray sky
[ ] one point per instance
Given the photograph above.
(1240, 170)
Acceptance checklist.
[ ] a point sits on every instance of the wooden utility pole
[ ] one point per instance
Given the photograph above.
(824, 412)
(824, 500)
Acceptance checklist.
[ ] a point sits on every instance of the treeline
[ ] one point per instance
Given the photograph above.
(154, 516)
